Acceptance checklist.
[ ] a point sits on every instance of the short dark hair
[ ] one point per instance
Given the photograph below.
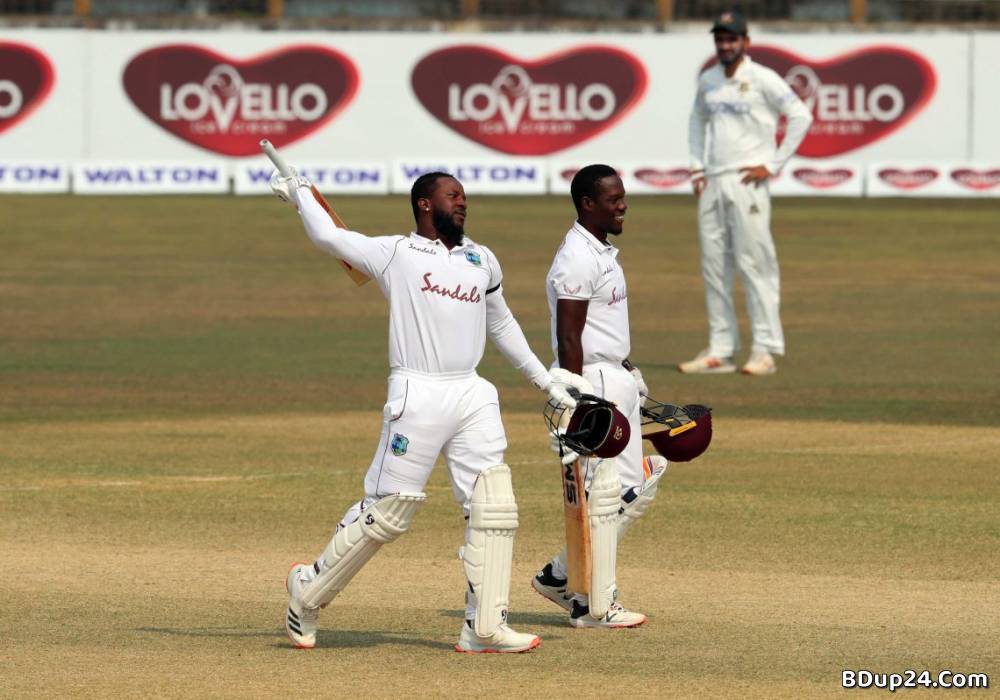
(424, 187)
(585, 182)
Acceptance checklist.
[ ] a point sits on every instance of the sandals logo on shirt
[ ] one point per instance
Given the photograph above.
(399, 444)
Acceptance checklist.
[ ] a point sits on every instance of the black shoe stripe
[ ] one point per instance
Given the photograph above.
(292, 615)
(294, 627)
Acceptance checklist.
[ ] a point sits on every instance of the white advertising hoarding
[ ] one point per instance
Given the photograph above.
(150, 177)
(933, 179)
(355, 177)
(32, 176)
(485, 176)
(826, 178)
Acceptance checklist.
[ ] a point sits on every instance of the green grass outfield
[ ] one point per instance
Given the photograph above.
(190, 393)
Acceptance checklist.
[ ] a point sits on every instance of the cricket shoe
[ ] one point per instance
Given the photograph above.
(705, 363)
(760, 364)
(546, 583)
(617, 616)
(503, 641)
(301, 622)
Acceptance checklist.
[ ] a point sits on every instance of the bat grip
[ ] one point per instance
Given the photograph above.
(275, 158)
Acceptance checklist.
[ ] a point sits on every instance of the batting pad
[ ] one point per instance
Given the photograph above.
(489, 547)
(352, 546)
(603, 503)
(644, 495)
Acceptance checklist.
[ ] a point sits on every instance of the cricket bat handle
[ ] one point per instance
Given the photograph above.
(271, 152)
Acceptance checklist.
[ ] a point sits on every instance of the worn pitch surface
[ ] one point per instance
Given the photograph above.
(189, 394)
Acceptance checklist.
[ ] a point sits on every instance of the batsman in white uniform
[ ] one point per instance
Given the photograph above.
(445, 297)
(588, 305)
(733, 153)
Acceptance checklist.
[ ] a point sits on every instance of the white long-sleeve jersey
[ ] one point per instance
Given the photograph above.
(741, 115)
(442, 303)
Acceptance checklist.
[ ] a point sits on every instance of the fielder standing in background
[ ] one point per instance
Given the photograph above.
(588, 304)
(733, 153)
(445, 298)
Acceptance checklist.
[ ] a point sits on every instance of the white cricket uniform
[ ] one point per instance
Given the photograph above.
(442, 305)
(585, 269)
(732, 126)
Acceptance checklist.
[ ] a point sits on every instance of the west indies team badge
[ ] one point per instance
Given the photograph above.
(473, 257)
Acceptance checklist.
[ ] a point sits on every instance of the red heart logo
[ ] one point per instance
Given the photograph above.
(664, 179)
(26, 79)
(908, 179)
(976, 179)
(857, 98)
(227, 106)
(529, 107)
(822, 179)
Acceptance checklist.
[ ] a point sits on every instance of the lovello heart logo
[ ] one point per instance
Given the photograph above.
(226, 105)
(908, 179)
(664, 179)
(856, 98)
(568, 174)
(528, 107)
(980, 180)
(822, 179)
(26, 79)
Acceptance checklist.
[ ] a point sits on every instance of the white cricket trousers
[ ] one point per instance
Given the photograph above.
(426, 415)
(616, 384)
(734, 227)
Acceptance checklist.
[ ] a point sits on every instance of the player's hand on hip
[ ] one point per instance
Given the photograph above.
(561, 381)
(755, 175)
(639, 382)
(698, 184)
(284, 187)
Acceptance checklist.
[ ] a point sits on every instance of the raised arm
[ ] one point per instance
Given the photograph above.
(784, 100)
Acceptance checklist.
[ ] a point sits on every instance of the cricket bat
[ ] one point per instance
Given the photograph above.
(577, 528)
(269, 150)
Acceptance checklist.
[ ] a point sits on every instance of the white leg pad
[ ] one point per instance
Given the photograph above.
(603, 504)
(644, 495)
(489, 547)
(353, 545)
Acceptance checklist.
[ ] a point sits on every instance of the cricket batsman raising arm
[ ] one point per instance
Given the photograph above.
(445, 297)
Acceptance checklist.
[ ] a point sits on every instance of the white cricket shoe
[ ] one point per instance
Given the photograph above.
(616, 617)
(705, 363)
(503, 641)
(301, 622)
(552, 588)
(760, 364)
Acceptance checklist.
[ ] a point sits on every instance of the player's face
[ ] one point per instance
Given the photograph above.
(729, 47)
(609, 205)
(448, 209)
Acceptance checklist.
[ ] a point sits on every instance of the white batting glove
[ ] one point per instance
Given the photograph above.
(284, 187)
(639, 382)
(560, 381)
(568, 456)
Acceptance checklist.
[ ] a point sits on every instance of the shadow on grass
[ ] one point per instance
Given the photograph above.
(325, 639)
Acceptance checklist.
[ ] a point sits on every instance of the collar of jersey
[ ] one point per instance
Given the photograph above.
(602, 248)
(740, 69)
(427, 241)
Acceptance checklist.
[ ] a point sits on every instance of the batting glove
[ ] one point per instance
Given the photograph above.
(639, 382)
(284, 187)
(566, 455)
(560, 382)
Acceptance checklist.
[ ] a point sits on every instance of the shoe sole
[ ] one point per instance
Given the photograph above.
(288, 632)
(748, 373)
(586, 626)
(568, 603)
(726, 369)
(534, 645)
